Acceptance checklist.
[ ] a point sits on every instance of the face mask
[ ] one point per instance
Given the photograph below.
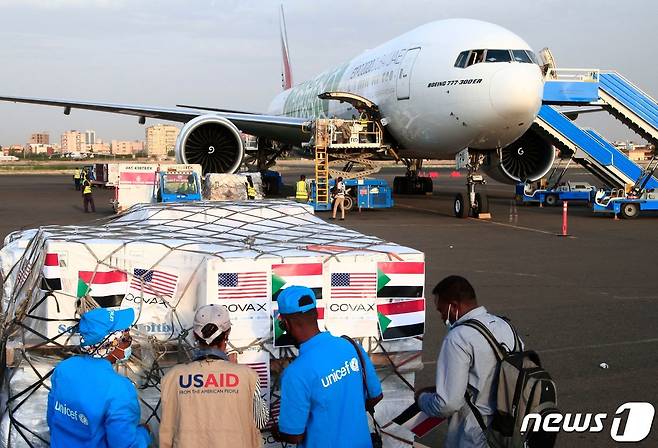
(447, 321)
(127, 353)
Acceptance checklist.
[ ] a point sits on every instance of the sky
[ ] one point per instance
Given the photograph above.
(226, 53)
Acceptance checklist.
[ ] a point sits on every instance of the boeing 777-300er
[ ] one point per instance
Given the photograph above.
(438, 89)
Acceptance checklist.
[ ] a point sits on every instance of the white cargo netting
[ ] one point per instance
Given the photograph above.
(165, 260)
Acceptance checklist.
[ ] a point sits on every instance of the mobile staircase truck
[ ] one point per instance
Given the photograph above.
(640, 198)
(552, 191)
(568, 191)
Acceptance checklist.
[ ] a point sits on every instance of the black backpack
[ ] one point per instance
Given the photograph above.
(523, 387)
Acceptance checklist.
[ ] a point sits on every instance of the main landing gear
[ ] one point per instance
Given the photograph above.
(411, 182)
(474, 203)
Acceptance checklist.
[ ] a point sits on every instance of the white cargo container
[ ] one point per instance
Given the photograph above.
(165, 261)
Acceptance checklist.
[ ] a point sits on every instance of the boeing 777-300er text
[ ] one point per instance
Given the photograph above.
(438, 89)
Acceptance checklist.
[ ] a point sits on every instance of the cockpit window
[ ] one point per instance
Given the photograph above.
(468, 58)
(498, 56)
(461, 59)
(521, 56)
(532, 57)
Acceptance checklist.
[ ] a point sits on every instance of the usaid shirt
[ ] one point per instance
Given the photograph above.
(322, 394)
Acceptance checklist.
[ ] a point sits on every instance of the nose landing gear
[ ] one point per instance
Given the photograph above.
(475, 203)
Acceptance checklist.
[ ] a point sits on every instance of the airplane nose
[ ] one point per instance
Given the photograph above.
(516, 91)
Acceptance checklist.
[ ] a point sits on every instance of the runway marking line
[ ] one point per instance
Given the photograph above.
(528, 229)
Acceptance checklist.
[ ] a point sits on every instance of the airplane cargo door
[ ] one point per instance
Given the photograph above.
(404, 75)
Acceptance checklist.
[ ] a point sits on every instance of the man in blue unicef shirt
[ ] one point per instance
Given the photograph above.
(323, 401)
(89, 404)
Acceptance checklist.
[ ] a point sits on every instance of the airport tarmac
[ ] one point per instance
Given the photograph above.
(579, 301)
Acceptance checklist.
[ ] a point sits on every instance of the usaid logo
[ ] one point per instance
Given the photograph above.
(631, 422)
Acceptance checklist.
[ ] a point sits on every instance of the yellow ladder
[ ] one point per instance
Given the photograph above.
(321, 164)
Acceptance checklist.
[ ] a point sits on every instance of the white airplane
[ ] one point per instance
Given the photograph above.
(438, 89)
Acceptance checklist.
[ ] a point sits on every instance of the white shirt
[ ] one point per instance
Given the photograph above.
(467, 360)
(340, 189)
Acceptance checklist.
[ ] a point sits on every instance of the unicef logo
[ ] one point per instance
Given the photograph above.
(83, 419)
(354, 365)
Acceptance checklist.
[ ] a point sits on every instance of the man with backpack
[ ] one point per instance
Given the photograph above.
(480, 361)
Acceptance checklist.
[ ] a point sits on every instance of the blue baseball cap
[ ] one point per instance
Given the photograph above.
(97, 324)
(294, 300)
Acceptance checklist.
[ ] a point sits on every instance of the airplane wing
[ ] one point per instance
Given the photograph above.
(283, 129)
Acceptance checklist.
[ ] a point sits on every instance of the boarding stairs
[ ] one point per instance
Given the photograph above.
(568, 87)
(589, 149)
(629, 104)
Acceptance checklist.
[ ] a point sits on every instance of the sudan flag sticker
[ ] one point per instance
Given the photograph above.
(51, 280)
(401, 319)
(106, 288)
(400, 279)
(297, 274)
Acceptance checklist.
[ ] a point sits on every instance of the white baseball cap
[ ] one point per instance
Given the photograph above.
(217, 315)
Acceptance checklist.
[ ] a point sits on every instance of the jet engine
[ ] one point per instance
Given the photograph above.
(527, 159)
(211, 141)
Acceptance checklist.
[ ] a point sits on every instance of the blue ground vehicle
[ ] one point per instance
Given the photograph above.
(569, 191)
(176, 186)
(361, 193)
(638, 199)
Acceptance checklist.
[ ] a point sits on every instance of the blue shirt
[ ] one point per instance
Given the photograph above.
(322, 394)
(90, 405)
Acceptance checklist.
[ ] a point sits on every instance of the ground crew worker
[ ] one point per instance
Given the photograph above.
(87, 197)
(76, 178)
(301, 195)
(323, 398)
(251, 191)
(339, 199)
(212, 401)
(89, 404)
(466, 363)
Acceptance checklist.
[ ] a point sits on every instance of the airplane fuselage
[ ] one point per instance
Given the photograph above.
(430, 105)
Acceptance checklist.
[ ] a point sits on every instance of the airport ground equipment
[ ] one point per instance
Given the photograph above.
(107, 175)
(139, 183)
(178, 186)
(630, 204)
(362, 193)
(611, 92)
(568, 191)
(342, 142)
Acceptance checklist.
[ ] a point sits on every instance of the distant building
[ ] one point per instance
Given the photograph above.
(40, 138)
(73, 141)
(635, 152)
(90, 137)
(40, 148)
(125, 147)
(160, 139)
(97, 148)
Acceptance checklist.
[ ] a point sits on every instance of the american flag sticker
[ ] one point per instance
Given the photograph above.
(350, 307)
(153, 283)
(242, 285)
(260, 362)
(247, 295)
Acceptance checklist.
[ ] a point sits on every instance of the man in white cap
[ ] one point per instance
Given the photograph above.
(212, 401)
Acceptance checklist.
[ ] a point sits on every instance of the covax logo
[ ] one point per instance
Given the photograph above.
(631, 422)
